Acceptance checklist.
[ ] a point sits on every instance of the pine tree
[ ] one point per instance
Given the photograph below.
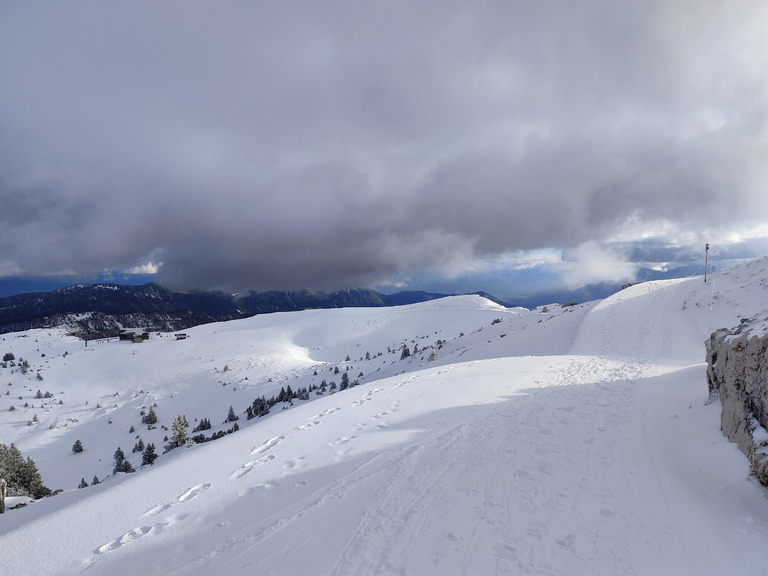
(119, 461)
(151, 418)
(344, 381)
(149, 456)
(259, 408)
(205, 424)
(83, 483)
(77, 447)
(22, 475)
(95, 480)
(231, 417)
(31, 480)
(121, 464)
(405, 353)
(179, 430)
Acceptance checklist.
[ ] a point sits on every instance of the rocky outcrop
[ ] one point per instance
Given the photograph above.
(737, 373)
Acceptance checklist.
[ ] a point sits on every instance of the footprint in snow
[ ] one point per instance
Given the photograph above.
(293, 463)
(156, 510)
(128, 537)
(267, 445)
(188, 495)
(308, 425)
(248, 466)
(193, 492)
(366, 397)
(326, 413)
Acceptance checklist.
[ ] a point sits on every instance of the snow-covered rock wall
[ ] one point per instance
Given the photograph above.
(737, 372)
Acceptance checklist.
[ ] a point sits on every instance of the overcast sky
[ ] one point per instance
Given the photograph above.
(343, 143)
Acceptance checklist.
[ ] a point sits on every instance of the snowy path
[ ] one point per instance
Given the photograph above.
(562, 465)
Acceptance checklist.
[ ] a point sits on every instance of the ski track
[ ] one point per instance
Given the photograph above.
(510, 515)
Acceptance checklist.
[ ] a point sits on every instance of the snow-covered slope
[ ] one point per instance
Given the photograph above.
(566, 441)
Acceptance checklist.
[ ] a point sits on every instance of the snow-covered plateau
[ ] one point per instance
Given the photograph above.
(562, 440)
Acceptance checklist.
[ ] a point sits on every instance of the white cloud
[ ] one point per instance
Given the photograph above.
(10, 268)
(590, 263)
(148, 268)
(302, 146)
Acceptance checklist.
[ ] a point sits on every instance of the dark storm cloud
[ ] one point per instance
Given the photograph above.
(283, 145)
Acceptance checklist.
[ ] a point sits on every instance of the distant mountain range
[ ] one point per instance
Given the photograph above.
(102, 310)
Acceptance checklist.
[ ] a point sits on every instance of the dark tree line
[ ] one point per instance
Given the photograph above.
(261, 406)
(20, 473)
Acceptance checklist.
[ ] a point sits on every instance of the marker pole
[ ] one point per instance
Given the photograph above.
(706, 258)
